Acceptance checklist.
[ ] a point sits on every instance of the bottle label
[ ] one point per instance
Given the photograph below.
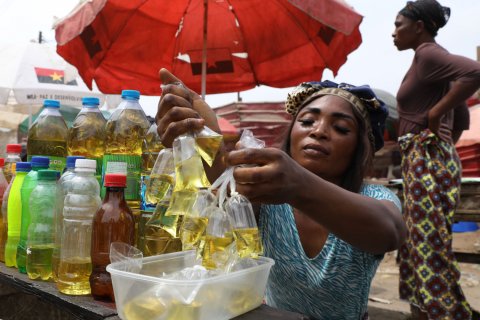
(126, 164)
(56, 163)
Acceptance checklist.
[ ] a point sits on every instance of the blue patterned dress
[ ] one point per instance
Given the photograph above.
(333, 285)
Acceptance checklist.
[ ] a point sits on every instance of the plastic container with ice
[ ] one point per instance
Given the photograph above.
(155, 293)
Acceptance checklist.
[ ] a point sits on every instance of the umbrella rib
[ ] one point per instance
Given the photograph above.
(243, 38)
(176, 46)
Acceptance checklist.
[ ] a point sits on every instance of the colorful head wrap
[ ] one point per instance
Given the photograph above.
(432, 13)
(362, 98)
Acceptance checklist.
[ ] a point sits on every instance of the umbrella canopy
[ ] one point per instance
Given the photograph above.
(32, 72)
(242, 43)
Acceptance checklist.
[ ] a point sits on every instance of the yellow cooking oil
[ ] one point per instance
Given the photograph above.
(248, 242)
(190, 175)
(86, 136)
(144, 307)
(182, 202)
(48, 135)
(171, 224)
(208, 147)
(243, 300)
(151, 147)
(215, 252)
(73, 276)
(39, 262)
(193, 228)
(157, 187)
(159, 234)
(180, 310)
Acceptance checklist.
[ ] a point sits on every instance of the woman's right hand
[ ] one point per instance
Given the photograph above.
(181, 110)
(270, 175)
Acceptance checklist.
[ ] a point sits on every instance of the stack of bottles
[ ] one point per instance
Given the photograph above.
(101, 182)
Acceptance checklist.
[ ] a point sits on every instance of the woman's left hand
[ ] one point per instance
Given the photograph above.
(440, 129)
(271, 176)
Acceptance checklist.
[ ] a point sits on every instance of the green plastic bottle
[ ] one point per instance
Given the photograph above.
(41, 236)
(86, 137)
(30, 182)
(14, 212)
(48, 136)
(125, 132)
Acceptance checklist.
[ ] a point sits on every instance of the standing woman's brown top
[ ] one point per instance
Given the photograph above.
(427, 81)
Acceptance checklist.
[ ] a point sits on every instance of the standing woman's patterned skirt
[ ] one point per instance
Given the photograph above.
(429, 274)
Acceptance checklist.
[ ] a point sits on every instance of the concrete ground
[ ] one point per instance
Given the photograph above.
(384, 300)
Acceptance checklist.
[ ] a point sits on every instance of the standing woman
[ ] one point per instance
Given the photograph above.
(432, 91)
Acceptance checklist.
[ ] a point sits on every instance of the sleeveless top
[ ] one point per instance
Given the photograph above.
(333, 285)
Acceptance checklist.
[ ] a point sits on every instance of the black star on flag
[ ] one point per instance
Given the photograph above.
(52, 76)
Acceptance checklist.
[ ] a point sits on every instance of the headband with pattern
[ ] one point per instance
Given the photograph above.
(362, 98)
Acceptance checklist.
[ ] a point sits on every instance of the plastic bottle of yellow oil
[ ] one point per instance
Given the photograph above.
(86, 137)
(48, 135)
(125, 133)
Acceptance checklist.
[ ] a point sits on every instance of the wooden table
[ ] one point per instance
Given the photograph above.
(22, 298)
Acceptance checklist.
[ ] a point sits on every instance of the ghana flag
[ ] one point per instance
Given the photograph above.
(52, 76)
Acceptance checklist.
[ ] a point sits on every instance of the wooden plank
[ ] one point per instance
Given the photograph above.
(467, 257)
(265, 312)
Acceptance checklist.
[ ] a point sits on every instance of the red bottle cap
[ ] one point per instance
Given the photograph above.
(2, 162)
(115, 180)
(14, 148)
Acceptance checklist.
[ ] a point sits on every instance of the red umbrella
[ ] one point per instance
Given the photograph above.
(122, 44)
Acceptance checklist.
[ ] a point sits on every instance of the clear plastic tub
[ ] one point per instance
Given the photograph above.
(145, 295)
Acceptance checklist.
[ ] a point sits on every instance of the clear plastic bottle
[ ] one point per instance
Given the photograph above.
(40, 237)
(48, 136)
(81, 203)
(30, 182)
(113, 222)
(125, 132)
(14, 212)
(13, 156)
(62, 189)
(4, 185)
(86, 137)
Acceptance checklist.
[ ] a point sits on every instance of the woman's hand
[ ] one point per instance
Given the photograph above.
(271, 176)
(181, 110)
(440, 129)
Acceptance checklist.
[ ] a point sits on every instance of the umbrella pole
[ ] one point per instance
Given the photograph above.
(204, 49)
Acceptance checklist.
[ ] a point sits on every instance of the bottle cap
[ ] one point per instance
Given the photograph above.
(86, 164)
(39, 161)
(2, 162)
(14, 148)
(131, 94)
(90, 101)
(47, 174)
(51, 103)
(71, 160)
(23, 166)
(115, 180)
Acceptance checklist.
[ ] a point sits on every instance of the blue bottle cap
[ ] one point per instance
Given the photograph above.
(71, 160)
(23, 166)
(90, 101)
(131, 94)
(51, 103)
(39, 161)
(47, 174)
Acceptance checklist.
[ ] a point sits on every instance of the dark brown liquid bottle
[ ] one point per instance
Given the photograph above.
(113, 222)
